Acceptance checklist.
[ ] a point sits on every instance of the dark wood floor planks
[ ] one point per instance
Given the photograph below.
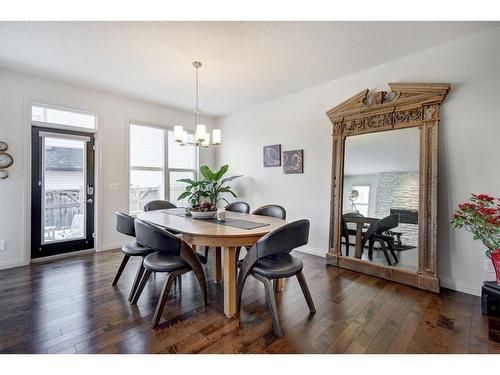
(69, 306)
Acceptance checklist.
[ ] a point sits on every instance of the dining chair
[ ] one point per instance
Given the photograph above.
(125, 225)
(272, 210)
(158, 205)
(173, 256)
(346, 232)
(241, 207)
(377, 233)
(270, 259)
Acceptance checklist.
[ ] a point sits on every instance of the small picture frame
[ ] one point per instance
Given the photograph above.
(272, 156)
(293, 161)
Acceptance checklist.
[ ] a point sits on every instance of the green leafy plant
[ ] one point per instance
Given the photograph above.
(215, 183)
(210, 188)
(195, 191)
(481, 217)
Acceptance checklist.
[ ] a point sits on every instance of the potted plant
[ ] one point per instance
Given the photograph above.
(215, 183)
(203, 195)
(481, 216)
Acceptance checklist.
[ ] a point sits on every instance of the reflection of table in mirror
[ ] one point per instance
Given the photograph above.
(360, 223)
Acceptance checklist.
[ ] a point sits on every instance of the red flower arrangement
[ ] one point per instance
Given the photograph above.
(481, 217)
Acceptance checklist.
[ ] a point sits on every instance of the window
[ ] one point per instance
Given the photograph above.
(363, 200)
(157, 162)
(59, 116)
(182, 163)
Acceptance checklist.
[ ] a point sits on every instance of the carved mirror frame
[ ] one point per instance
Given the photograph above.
(407, 105)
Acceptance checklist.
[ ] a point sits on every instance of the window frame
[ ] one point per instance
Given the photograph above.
(166, 170)
(52, 125)
(367, 205)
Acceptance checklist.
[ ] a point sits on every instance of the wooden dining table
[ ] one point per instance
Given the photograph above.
(361, 222)
(207, 232)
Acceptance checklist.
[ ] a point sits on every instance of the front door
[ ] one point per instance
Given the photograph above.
(62, 206)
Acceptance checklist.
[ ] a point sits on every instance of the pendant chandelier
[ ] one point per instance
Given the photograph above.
(201, 137)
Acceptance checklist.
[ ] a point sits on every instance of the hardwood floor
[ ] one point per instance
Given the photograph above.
(69, 306)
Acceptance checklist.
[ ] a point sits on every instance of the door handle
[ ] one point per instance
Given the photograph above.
(90, 201)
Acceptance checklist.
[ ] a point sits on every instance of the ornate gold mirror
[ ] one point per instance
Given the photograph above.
(383, 216)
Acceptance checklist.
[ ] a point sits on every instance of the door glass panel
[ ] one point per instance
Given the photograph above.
(145, 186)
(64, 195)
(176, 188)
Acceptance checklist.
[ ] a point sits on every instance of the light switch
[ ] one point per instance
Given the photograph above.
(113, 186)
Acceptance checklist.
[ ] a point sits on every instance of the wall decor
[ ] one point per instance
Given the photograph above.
(6, 160)
(272, 156)
(293, 161)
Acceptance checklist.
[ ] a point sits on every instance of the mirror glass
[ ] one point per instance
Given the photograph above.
(381, 198)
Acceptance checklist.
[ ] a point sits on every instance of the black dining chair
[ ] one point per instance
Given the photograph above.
(158, 205)
(125, 225)
(346, 232)
(173, 256)
(270, 259)
(272, 210)
(241, 207)
(377, 232)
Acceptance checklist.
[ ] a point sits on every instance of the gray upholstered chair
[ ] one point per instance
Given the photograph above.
(158, 205)
(270, 259)
(173, 256)
(272, 210)
(377, 233)
(241, 207)
(125, 225)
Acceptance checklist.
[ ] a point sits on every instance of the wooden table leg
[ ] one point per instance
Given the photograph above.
(229, 280)
(279, 284)
(218, 265)
(359, 236)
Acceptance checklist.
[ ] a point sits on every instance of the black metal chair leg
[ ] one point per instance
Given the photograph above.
(163, 298)
(306, 292)
(391, 249)
(120, 269)
(384, 249)
(370, 249)
(346, 245)
(137, 280)
(271, 302)
(141, 286)
(238, 250)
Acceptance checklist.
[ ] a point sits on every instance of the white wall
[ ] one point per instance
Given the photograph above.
(114, 112)
(469, 144)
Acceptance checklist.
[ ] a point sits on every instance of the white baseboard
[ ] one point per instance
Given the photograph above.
(109, 247)
(460, 287)
(60, 256)
(311, 251)
(12, 263)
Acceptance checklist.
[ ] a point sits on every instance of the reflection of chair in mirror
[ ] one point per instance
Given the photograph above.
(346, 232)
(377, 232)
(406, 216)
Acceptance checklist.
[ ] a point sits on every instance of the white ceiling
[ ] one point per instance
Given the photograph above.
(244, 63)
(389, 151)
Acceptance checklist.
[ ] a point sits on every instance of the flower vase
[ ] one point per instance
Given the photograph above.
(494, 255)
